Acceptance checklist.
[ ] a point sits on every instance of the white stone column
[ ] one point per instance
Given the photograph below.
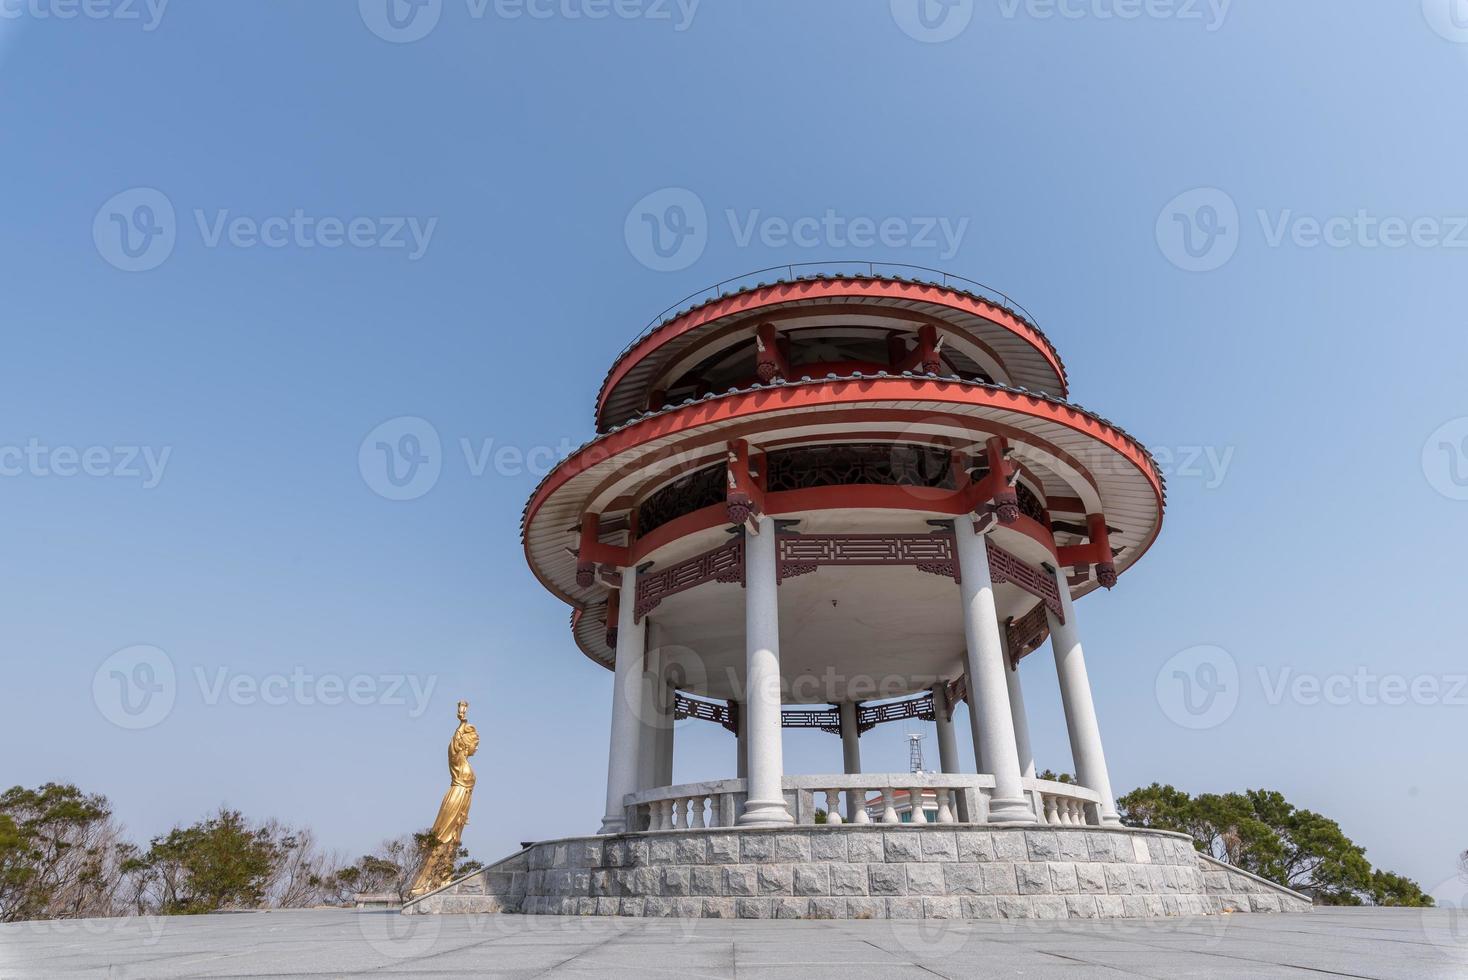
(1017, 712)
(947, 738)
(661, 768)
(988, 692)
(648, 729)
(1080, 711)
(741, 741)
(851, 753)
(623, 749)
(850, 738)
(765, 805)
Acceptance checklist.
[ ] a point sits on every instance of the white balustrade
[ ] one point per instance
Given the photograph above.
(1062, 804)
(717, 804)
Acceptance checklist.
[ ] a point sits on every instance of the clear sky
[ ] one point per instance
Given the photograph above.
(447, 228)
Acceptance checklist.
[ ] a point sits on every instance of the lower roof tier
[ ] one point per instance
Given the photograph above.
(1066, 464)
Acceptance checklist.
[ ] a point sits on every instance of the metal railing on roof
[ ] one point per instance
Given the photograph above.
(822, 270)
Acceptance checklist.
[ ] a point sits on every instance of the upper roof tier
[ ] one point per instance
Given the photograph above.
(851, 316)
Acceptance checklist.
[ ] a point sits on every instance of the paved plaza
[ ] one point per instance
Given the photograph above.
(1377, 943)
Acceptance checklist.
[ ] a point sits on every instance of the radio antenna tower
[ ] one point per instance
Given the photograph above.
(915, 752)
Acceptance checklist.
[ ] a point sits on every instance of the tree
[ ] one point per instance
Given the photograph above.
(218, 863)
(1263, 833)
(56, 853)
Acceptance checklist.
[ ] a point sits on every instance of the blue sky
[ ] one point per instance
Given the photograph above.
(1243, 226)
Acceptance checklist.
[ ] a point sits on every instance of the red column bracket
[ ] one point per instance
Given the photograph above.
(745, 497)
(770, 362)
(994, 497)
(614, 610)
(1096, 551)
(592, 552)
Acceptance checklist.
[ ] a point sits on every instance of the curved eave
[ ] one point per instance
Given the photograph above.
(544, 531)
(1028, 354)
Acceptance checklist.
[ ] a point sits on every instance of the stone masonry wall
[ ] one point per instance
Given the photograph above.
(866, 873)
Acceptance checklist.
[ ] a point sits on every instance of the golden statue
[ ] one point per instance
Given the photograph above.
(453, 812)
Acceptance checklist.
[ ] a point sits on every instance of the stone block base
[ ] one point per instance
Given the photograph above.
(848, 872)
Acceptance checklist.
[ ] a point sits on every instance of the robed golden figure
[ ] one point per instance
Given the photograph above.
(453, 812)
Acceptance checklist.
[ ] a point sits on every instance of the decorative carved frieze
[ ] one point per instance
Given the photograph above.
(869, 716)
(1027, 633)
(825, 719)
(722, 564)
(1006, 567)
(721, 714)
(801, 554)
